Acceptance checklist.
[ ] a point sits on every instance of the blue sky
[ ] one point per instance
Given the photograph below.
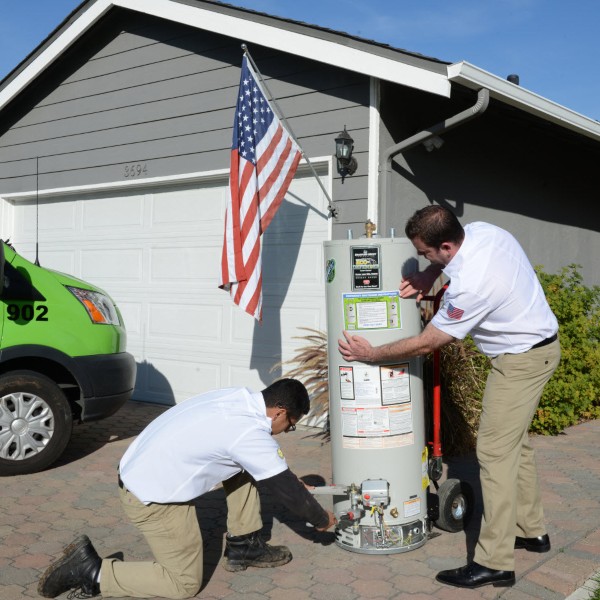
(553, 45)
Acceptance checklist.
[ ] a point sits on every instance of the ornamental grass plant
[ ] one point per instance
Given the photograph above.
(309, 366)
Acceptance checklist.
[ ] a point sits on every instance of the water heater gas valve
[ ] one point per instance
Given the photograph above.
(371, 494)
(375, 492)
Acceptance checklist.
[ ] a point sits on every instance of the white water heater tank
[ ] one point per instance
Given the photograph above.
(376, 412)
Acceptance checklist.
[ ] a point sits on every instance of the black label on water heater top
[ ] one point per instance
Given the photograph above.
(365, 268)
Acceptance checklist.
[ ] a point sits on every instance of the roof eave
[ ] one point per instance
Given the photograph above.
(503, 90)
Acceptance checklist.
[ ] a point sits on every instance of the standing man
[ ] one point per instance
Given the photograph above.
(494, 295)
(225, 436)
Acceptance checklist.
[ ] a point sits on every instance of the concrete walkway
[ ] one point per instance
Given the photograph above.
(41, 513)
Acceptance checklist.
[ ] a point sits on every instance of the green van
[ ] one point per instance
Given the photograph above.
(62, 360)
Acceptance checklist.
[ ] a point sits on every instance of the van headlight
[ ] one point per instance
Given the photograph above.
(99, 307)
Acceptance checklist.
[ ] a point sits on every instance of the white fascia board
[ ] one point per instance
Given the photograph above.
(292, 42)
(54, 50)
(473, 77)
(245, 30)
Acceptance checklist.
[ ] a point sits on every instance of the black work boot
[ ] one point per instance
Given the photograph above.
(78, 567)
(250, 550)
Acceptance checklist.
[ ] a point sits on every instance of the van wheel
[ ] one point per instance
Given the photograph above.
(35, 422)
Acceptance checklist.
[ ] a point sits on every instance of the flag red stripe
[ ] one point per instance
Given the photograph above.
(240, 272)
(251, 263)
(252, 304)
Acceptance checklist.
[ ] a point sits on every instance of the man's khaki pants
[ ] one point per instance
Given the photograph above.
(511, 497)
(173, 534)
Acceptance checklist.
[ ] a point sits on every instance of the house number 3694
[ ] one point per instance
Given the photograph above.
(135, 170)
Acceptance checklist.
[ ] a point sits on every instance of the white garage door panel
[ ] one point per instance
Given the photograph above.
(166, 377)
(112, 265)
(113, 213)
(279, 263)
(195, 321)
(157, 252)
(51, 218)
(284, 328)
(276, 335)
(184, 264)
(63, 261)
(250, 378)
(189, 208)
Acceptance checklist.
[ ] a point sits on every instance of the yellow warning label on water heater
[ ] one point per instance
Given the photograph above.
(424, 468)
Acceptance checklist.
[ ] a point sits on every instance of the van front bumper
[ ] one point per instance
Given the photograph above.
(110, 383)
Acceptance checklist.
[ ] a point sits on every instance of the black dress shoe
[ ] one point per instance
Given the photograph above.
(474, 575)
(536, 544)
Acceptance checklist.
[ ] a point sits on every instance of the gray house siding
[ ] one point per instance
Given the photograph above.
(532, 178)
(144, 91)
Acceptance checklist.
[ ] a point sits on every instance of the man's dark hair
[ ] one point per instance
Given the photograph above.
(289, 394)
(434, 225)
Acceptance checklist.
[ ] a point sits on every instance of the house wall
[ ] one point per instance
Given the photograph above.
(155, 98)
(513, 170)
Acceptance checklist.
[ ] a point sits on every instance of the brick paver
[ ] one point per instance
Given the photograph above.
(41, 513)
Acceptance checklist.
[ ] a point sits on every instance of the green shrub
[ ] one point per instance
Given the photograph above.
(573, 393)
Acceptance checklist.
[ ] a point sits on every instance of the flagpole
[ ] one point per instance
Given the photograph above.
(332, 210)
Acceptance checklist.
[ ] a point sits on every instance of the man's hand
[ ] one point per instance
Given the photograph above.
(355, 348)
(409, 287)
(419, 283)
(332, 522)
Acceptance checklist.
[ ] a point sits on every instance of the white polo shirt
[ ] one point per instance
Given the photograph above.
(494, 294)
(195, 445)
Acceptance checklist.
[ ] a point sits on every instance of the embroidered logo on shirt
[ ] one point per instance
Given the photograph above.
(280, 453)
(455, 313)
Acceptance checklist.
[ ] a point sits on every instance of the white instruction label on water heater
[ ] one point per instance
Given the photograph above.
(412, 507)
(376, 406)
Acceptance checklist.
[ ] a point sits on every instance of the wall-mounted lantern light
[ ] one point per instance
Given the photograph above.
(346, 163)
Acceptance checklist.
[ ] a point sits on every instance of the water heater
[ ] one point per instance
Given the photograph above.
(376, 412)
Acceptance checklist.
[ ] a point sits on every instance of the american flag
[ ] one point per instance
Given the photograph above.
(455, 313)
(264, 159)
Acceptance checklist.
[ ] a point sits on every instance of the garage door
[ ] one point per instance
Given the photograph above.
(157, 251)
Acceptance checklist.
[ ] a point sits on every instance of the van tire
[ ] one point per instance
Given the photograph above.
(35, 422)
